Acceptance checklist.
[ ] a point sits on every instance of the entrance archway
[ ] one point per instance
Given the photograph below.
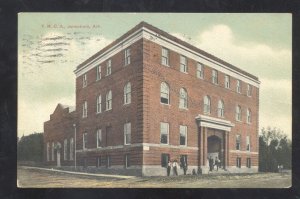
(214, 145)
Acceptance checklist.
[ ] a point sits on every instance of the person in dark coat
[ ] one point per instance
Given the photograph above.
(217, 163)
(184, 166)
(211, 163)
(175, 164)
(169, 167)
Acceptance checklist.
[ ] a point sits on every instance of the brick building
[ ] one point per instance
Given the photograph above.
(149, 97)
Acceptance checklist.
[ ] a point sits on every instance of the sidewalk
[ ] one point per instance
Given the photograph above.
(81, 173)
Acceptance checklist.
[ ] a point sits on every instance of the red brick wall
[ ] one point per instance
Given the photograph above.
(57, 129)
(120, 113)
(155, 112)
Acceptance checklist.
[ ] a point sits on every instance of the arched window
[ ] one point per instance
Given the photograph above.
(207, 104)
(127, 93)
(108, 100)
(238, 115)
(164, 93)
(183, 98)
(248, 116)
(220, 108)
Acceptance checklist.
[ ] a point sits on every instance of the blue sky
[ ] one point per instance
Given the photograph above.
(258, 43)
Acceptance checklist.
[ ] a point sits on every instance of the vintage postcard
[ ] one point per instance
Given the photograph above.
(145, 100)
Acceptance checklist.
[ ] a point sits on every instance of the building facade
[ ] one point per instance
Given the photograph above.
(150, 97)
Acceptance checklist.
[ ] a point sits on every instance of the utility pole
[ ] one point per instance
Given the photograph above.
(74, 125)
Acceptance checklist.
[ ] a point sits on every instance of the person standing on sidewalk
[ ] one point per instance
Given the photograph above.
(175, 164)
(169, 167)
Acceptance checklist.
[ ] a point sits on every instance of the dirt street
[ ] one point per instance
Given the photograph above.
(28, 178)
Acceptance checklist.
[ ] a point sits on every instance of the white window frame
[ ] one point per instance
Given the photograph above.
(221, 108)
(249, 116)
(183, 128)
(127, 132)
(227, 81)
(167, 126)
(108, 100)
(238, 113)
(65, 149)
(249, 90)
(164, 90)
(165, 57)
(183, 64)
(248, 146)
(108, 67)
(183, 98)
(99, 104)
(99, 137)
(48, 152)
(84, 141)
(84, 109)
(127, 54)
(238, 142)
(127, 93)
(238, 86)
(84, 80)
(200, 71)
(207, 106)
(214, 77)
(71, 148)
(98, 76)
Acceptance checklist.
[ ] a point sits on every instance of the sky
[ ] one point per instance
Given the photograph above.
(51, 45)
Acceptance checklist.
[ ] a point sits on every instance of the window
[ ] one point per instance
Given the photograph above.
(214, 77)
(98, 76)
(65, 149)
(249, 162)
(52, 151)
(127, 56)
(71, 148)
(164, 93)
(248, 116)
(238, 113)
(99, 138)
(165, 159)
(127, 133)
(206, 105)
(238, 142)
(99, 101)
(199, 71)
(99, 161)
(165, 57)
(108, 67)
(238, 86)
(84, 139)
(183, 98)
(127, 160)
(108, 162)
(108, 100)
(48, 148)
(127, 93)
(84, 81)
(183, 64)
(164, 133)
(238, 162)
(248, 143)
(227, 81)
(183, 135)
(249, 90)
(220, 108)
(84, 109)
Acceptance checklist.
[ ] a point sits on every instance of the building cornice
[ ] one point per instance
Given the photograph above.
(150, 33)
(216, 123)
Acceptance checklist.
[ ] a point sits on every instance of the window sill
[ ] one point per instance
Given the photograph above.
(184, 72)
(127, 104)
(165, 65)
(183, 109)
(108, 110)
(165, 104)
(98, 113)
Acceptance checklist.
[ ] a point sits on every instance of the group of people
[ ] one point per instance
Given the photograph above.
(213, 163)
(174, 165)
